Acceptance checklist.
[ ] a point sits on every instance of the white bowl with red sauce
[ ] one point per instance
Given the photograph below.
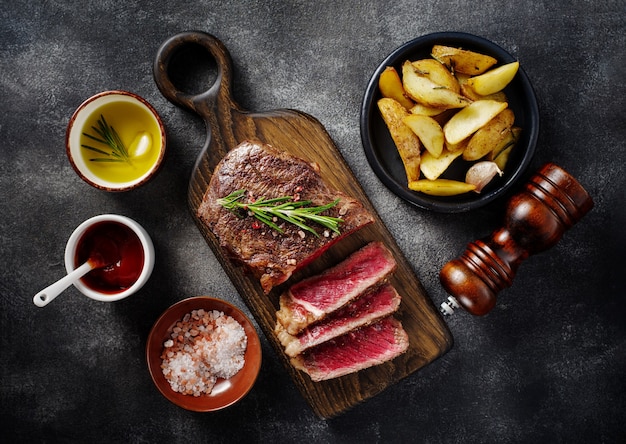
(134, 253)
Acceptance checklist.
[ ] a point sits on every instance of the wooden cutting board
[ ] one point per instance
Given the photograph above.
(300, 134)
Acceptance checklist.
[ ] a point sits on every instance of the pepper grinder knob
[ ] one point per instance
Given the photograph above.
(536, 218)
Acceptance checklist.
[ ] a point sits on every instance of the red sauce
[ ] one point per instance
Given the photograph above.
(118, 248)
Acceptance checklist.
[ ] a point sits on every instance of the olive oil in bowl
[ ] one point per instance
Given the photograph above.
(115, 141)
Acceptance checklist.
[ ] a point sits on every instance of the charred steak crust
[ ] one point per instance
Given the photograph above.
(265, 171)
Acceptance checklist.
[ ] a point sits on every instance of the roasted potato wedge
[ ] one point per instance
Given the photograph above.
(461, 77)
(510, 139)
(432, 167)
(494, 80)
(454, 147)
(487, 138)
(501, 154)
(503, 157)
(468, 92)
(445, 116)
(425, 91)
(471, 118)
(428, 131)
(463, 60)
(441, 187)
(423, 110)
(407, 143)
(390, 85)
(438, 73)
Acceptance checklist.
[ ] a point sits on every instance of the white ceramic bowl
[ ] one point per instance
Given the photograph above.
(148, 259)
(78, 124)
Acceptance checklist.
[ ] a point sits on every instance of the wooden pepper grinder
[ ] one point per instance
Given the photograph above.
(536, 218)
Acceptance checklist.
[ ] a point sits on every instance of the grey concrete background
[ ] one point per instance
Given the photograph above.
(547, 365)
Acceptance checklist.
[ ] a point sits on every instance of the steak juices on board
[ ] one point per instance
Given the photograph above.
(265, 240)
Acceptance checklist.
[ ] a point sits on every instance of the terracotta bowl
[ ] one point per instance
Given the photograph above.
(128, 114)
(226, 392)
(382, 154)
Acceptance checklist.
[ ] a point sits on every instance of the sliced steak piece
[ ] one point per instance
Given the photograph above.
(265, 171)
(312, 299)
(356, 350)
(376, 303)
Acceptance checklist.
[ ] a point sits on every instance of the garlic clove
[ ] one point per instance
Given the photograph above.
(141, 145)
(481, 173)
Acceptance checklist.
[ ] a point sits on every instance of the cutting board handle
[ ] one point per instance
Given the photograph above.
(217, 95)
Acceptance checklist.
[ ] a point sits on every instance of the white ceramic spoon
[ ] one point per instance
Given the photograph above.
(108, 254)
(45, 296)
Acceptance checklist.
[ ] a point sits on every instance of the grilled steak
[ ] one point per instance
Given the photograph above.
(376, 303)
(312, 299)
(356, 350)
(265, 171)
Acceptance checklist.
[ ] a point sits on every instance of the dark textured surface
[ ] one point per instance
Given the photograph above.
(547, 365)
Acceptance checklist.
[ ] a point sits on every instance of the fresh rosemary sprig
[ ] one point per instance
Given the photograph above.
(295, 212)
(109, 137)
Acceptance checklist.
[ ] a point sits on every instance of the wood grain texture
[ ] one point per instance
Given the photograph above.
(301, 135)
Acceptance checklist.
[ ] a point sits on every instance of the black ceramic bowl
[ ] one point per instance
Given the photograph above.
(382, 154)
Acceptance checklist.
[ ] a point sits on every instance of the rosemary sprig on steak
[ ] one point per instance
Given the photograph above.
(269, 211)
